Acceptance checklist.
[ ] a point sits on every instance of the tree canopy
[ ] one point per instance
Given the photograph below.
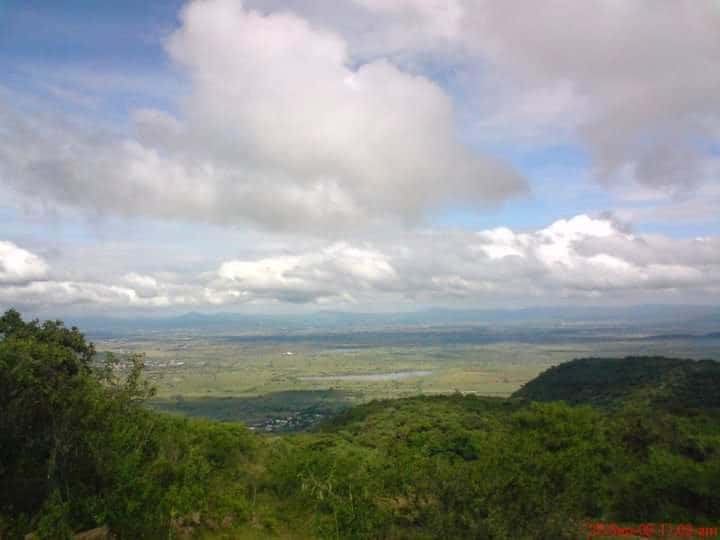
(79, 450)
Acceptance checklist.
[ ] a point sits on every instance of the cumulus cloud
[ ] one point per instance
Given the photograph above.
(342, 119)
(278, 129)
(18, 266)
(324, 116)
(339, 272)
(634, 82)
(569, 260)
(66, 293)
(143, 285)
(583, 254)
(27, 280)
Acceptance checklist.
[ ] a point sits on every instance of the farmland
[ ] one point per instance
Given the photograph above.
(286, 382)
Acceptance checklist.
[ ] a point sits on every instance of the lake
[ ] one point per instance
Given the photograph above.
(391, 376)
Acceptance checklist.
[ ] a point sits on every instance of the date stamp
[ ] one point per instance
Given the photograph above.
(600, 529)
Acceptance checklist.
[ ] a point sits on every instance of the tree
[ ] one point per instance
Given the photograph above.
(59, 408)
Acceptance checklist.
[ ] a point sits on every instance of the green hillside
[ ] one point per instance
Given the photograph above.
(668, 383)
(79, 450)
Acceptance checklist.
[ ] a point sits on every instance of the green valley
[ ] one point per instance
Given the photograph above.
(597, 440)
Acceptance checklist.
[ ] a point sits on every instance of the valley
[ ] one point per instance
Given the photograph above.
(292, 380)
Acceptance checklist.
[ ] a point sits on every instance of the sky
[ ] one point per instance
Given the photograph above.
(366, 155)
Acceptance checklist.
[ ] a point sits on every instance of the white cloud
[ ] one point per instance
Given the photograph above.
(634, 82)
(276, 93)
(553, 245)
(18, 266)
(147, 282)
(143, 286)
(277, 129)
(576, 258)
(583, 254)
(65, 293)
(267, 273)
(344, 119)
(338, 272)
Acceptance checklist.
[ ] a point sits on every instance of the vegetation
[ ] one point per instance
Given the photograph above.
(257, 379)
(79, 450)
(656, 381)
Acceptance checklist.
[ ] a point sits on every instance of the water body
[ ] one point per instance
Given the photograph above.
(391, 376)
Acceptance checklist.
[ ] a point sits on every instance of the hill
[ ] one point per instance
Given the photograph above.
(668, 383)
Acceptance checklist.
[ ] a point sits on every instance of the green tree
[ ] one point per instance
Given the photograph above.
(59, 413)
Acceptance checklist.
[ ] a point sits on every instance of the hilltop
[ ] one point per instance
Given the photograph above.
(655, 381)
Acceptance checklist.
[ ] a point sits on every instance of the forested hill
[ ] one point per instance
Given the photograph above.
(81, 453)
(670, 383)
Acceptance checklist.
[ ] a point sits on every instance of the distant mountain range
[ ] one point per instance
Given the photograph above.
(688, 321)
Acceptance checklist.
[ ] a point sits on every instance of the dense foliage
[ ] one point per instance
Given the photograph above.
(656, 381)
(470, 467)
(78, 450)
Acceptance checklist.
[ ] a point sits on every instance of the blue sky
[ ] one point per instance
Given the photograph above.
(266, 154)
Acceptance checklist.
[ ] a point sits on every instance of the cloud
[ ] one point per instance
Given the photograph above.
(68, 293)
(18, 266)
(338, 272)
(571, 260)
(273, 93)
(277, 129)
(635, 83)
(144, 286)
(584, 254)
(310, 126)
(700, 206)
(327, 117)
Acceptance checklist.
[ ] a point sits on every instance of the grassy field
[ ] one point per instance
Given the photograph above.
(296, 381)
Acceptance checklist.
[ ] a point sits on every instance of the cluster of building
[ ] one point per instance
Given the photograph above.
(295, 422)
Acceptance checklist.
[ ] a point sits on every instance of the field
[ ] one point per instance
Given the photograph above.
(288, 382)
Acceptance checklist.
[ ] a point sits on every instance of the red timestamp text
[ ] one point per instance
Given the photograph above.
(651, 530)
